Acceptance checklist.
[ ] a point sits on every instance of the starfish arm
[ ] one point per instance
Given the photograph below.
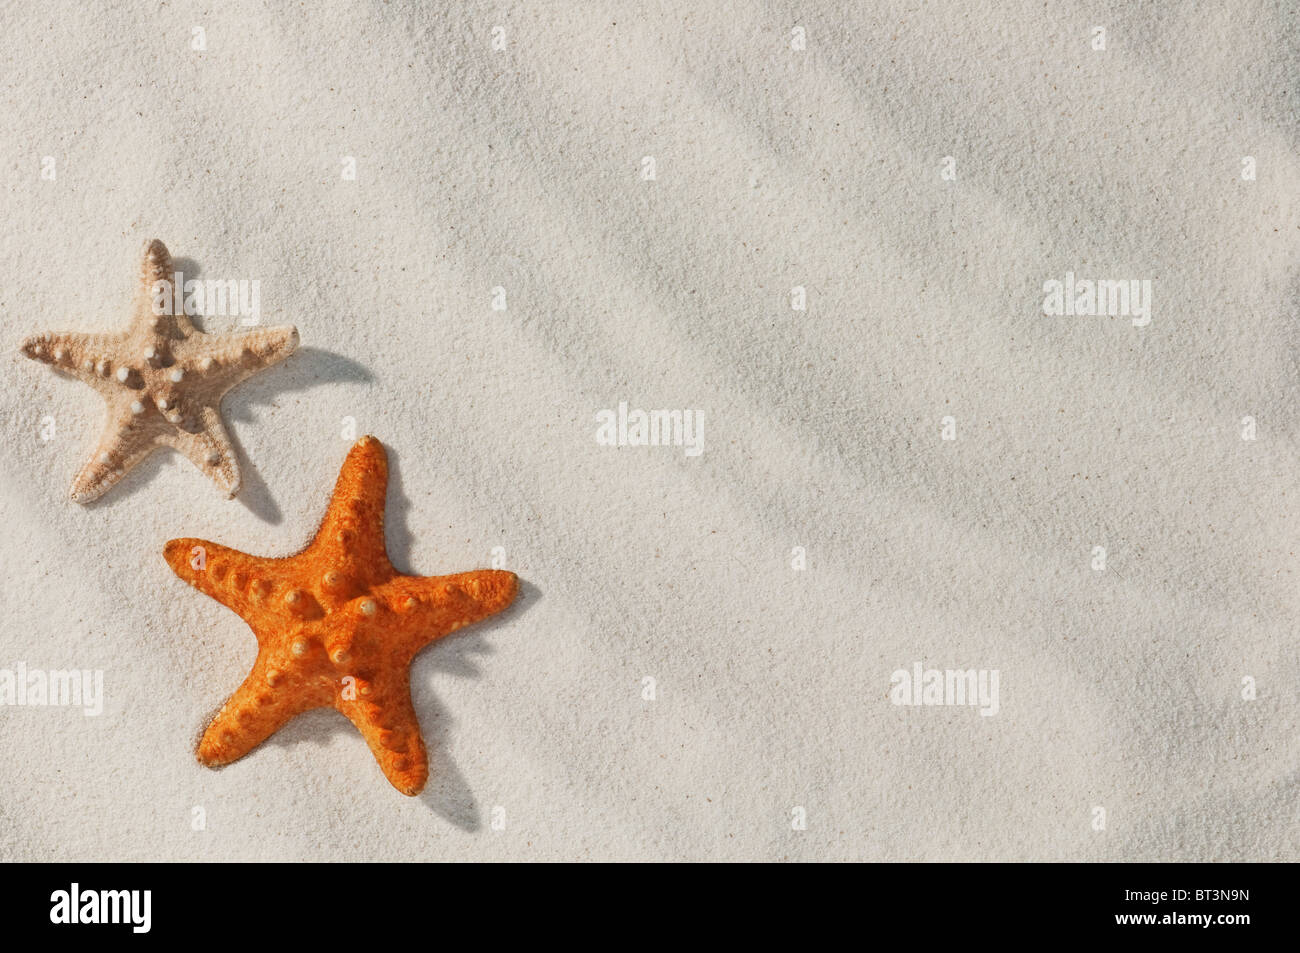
(385, 716)
(236, 357)
(439, 605)
(240, 582)
(125, 442)
(156, 268)
(251, 715)
(81, 356)
(352, 532)
(160, 309)
(209, 448)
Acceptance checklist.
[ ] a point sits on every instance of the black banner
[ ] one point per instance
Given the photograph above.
(944, 903)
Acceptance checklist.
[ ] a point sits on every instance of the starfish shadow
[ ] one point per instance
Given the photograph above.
(397, 531)
(318, 727)
(186, 266)
(302, 370)
(140, 475)
(448, 794)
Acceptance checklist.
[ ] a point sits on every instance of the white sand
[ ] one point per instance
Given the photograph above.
(820, 168)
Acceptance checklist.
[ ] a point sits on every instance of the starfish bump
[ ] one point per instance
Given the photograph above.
(336, 625)
(162, 381)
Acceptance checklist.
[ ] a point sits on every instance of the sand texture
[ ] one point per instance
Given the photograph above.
(484, 249)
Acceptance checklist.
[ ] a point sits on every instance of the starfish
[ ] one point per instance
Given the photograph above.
(336, 625)
(162, 381)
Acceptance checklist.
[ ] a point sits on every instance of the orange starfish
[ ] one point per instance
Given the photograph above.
(336, 625)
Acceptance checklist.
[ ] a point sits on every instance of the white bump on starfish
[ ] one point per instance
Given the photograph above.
(123, 374)
(207, 364)
(60, 354)
(104, 458)
(137, 407)
(150, 354)
(367, 607)
(214, 456)
(299, 648)
(292, 597)
(177, 375)
(163, 403)
(102, 368)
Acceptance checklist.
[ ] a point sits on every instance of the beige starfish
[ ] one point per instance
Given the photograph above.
(162, 379)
